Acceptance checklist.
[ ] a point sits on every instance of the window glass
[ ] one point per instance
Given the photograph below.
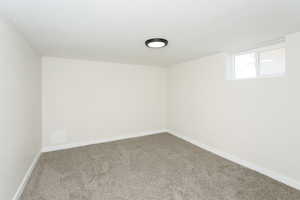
(272, 62)
(245, 66)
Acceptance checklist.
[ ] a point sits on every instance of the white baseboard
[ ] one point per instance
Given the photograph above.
(26, 177)
(270, 173)
(79, 144)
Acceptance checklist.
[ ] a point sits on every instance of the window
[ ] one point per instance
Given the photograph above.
(264, 62)
(245, 66)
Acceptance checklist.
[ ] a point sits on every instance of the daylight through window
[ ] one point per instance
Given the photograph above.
(264, 62)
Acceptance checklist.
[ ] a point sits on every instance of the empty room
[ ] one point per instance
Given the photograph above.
(150, 100)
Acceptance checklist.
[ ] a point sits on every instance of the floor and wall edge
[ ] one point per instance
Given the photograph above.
(79, 144)
(270, 173)
(26, 177)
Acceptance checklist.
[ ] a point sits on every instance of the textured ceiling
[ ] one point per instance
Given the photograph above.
(115, 30)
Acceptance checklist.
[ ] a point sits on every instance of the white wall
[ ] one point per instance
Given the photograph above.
(20, 109)
(86, 101)
(256, 120)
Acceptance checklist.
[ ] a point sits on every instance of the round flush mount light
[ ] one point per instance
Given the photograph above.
(156, 43)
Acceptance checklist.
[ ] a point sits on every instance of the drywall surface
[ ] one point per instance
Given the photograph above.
(20, 105)
(86, 101)
(256, 120)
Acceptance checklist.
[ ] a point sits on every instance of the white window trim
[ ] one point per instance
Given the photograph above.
(257, 52)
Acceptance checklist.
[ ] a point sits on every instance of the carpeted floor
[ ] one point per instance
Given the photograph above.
(157, 167)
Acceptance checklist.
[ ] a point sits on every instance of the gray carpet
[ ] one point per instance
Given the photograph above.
(157, 167)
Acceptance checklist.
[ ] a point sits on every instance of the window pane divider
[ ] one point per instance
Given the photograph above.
(257, 64)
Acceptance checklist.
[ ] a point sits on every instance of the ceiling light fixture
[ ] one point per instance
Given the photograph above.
(156, 43)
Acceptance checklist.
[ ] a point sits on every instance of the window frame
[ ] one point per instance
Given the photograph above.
(257, 53)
